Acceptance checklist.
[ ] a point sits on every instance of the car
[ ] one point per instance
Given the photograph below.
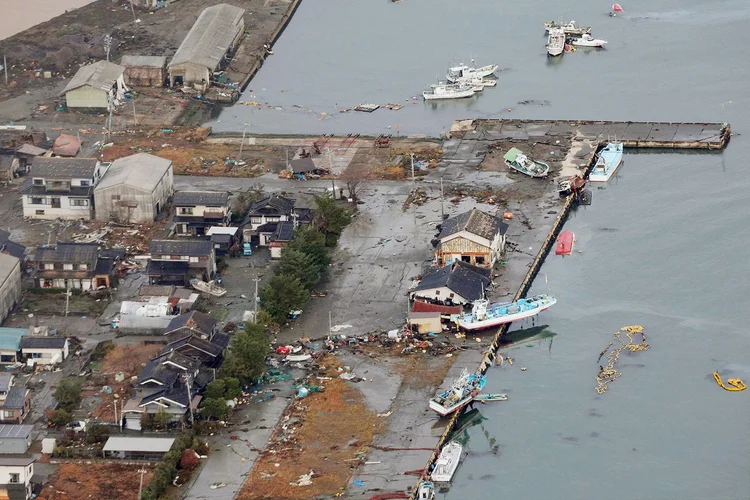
(77, 426)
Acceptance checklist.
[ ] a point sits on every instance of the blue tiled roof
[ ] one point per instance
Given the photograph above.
(10, 338)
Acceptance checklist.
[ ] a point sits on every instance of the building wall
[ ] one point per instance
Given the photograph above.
(8, 356)
(66, 211)
(190, 73)
(199, 211)
(45, 356)
(129, 204)
(10, 291)
(76, 284)
(24, 473)
(86, 97)
(14, 445)
(428, 325)
(145, 76)
(13, 415)
(465, 244)
(442, 294)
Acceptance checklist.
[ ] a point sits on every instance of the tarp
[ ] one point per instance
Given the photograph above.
(66, 145)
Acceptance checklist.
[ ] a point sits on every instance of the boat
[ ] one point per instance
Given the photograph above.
(565, 243)
(485, 315)
(460, 393)
(570, 28)
(450, 91)
(210, 287)
(426, 491)
(516, 160)
(463, 71)
(491, 397)
(587, 40)
(447, 462)
(616, 9)
(477, 84)
(555, 42)
(607, 162)
(573, 184)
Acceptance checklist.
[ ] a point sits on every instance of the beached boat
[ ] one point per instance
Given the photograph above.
(485, 315)
(210, 287)
(461, 392)
(573, 184)
(463, 71)
(587, 40)
(555, 42)
(426, 491)
(570, 28)
(516, 160)
(450, 91)
(565, 243)
(447, 462)
(491, 397)
(607, 162)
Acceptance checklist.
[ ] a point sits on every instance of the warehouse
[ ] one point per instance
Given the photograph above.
(145, 71)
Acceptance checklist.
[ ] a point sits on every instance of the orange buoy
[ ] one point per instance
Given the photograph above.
(508, 215)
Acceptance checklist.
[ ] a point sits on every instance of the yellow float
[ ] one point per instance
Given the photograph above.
(735, 384)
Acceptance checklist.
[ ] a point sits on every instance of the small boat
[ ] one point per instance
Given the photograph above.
(450, 91)
(607, 162)
(491, 397)
(461, 392)
(571, 185)
(555, 42)
(570, 28)
(485, 315)
(516, 160)
(210, 287)
(463, 71)
(565, 243)
(426, 491)
(616, 9)
(447, 462)
(587, 40)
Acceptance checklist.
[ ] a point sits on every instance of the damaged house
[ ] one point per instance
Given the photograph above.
(197, 211)
(456, 284)
(176, 262)
(475, 237)
(78, 266)
(96, 85)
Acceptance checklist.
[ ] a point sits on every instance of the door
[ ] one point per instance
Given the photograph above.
(55, 202)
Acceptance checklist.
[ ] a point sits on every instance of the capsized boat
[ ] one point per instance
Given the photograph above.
(485, 315)
(616, 9)
(450, 91)
(210, 287)
(570, 28)
(491, 397)
(463, 71)
(516, 160)
(426, 491)
(555, 42)
(587, 40)
(565, 243)
(447, 462)
(571, 185)
(607, 162)
(461, 392)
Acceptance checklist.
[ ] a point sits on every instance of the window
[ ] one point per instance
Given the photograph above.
(83, 267)
(195, 259)
(466, 258)
(185, 257)
(40, 212)
(115, 197)
(166, 257)
(450, 296)
(217, 245)
(186, 211)
(79, 202)
(67, 267)
(480, 260)
(39, 182)
(437, 292)
(257, 220)
(85, 183)
(15, 477)
(10, 414)
(49, 266)
(38, 201)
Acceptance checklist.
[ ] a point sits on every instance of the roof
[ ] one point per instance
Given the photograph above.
(138, 444)
(221, 340)
(424, 315)
(66, 145)
(180, 247)
(209, 348)
(221, 230)
(30, 149)
(11, 247)
(476, 222)
(177, 359)
(43, 342)
(210, 37)
(302, 165)
(15, 431)
(272, 205)
(202, 198)
(19, 461)
(68, 252)
(63, 168)
(7, 264)
(156, 290)
(10, 338)
(268, 227)
(167, 267)
(101, 75)
(143, 61)
(16, 397)
(142, 171)
(419, 307)
(5, 380)
(461, 279)
(512, 154)
(284, 232)
(155, 370)
(194, 320)
(177, 394)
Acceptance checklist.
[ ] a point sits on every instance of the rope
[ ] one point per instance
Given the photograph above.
(735, 384)
(608, 374)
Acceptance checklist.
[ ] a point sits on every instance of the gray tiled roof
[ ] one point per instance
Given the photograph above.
(210, 37)
(15, 430)
(466, 280)
(284, 232)
(68, 252)
(16, 397)
(63, 168)
(180, 247)
(272, 205)
(476, 222)
(203, 198)
(101, 75)
(195, 320)
(43, 342)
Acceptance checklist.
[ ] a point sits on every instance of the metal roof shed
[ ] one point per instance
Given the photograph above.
(137, 448)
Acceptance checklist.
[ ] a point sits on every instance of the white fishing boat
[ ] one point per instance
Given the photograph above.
(570, 28)
(447, 462)
(485, 315)
(555, 42)
(211, 287)
(478, 84)
(462, 391)
(426, 491)
(607, 162)
(449, 91)
(463, 71)
(482, 398)
(589, 41)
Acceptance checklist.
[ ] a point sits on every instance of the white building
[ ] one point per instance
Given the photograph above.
(61, 188)
(10, 284)
(44, 350)
(134, 189)
(15, 477)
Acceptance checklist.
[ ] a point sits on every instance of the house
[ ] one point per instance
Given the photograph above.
(208, 46)
(44, 350)
(224, 238)
(25, 154)
(13, 138)
(6, 382)
(263, 217)
(196, 211)
(151, 449)
(15, 477)
(9, 247)
(458, 283)
(145, 71)
(15, 438)
(80, 266)
(95, 86)
(164, 372)
(10, 284)
(151, 314)
(208, 352)
(10, 344)
(474, 237)
(191, 323)
(61, 188)
(175, 262)
(134, 189)
(177, 402)
(302, 167)
(280, 238)
(16, 406)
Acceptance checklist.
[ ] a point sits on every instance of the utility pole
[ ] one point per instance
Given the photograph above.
(116, 421)
(413, 178)
(67, 297)
(255, 305)
(107, 45)
(330, 326)
(135, 21)
(140, 488)
(188, 383)
(244, 131)
(333, 189)
(442, 208)
(5, 67)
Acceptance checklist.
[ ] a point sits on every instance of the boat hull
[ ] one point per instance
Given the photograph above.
(565, 243)
(473, 73)
(594, 43)
(451, 453)
(510, 318)
(611, 161)
(537, 175)
(462, 94)
(445, 411)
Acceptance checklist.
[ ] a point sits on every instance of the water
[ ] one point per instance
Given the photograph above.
(663, 246)
(18, 15)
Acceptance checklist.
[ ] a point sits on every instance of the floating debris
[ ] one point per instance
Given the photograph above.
(609, 373)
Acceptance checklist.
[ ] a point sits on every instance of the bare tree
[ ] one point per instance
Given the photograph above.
(355, 184)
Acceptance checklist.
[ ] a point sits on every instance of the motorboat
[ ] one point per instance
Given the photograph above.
(570, 28)
(565, 243)
(609, 158)
(555, 42)
(518, 161)
(449, 91)
(208, 287)
(573, 184)
(587, 40)
(478, 84)
(491, 397)
(485, 315)
(463, 71)
(460, 393)
(447, 462)
(426, 491)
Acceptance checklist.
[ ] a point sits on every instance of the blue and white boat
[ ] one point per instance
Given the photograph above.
(609, 159)
(461, 392)
(485, 315)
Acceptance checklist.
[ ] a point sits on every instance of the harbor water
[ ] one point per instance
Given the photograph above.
(18, 15)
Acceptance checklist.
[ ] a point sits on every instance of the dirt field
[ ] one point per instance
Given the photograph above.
(104, 481)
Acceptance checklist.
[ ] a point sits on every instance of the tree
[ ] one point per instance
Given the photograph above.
(283, 295)
(329, 218)
(246, 360)
(161, 418)
(147, 421)
(61, 418)
(96, 433)
(298, 265)
(244, 200)
(215, 408)
(355, 186)
(233, 387)
(215, 389)
(68, 393)
(310, 241)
